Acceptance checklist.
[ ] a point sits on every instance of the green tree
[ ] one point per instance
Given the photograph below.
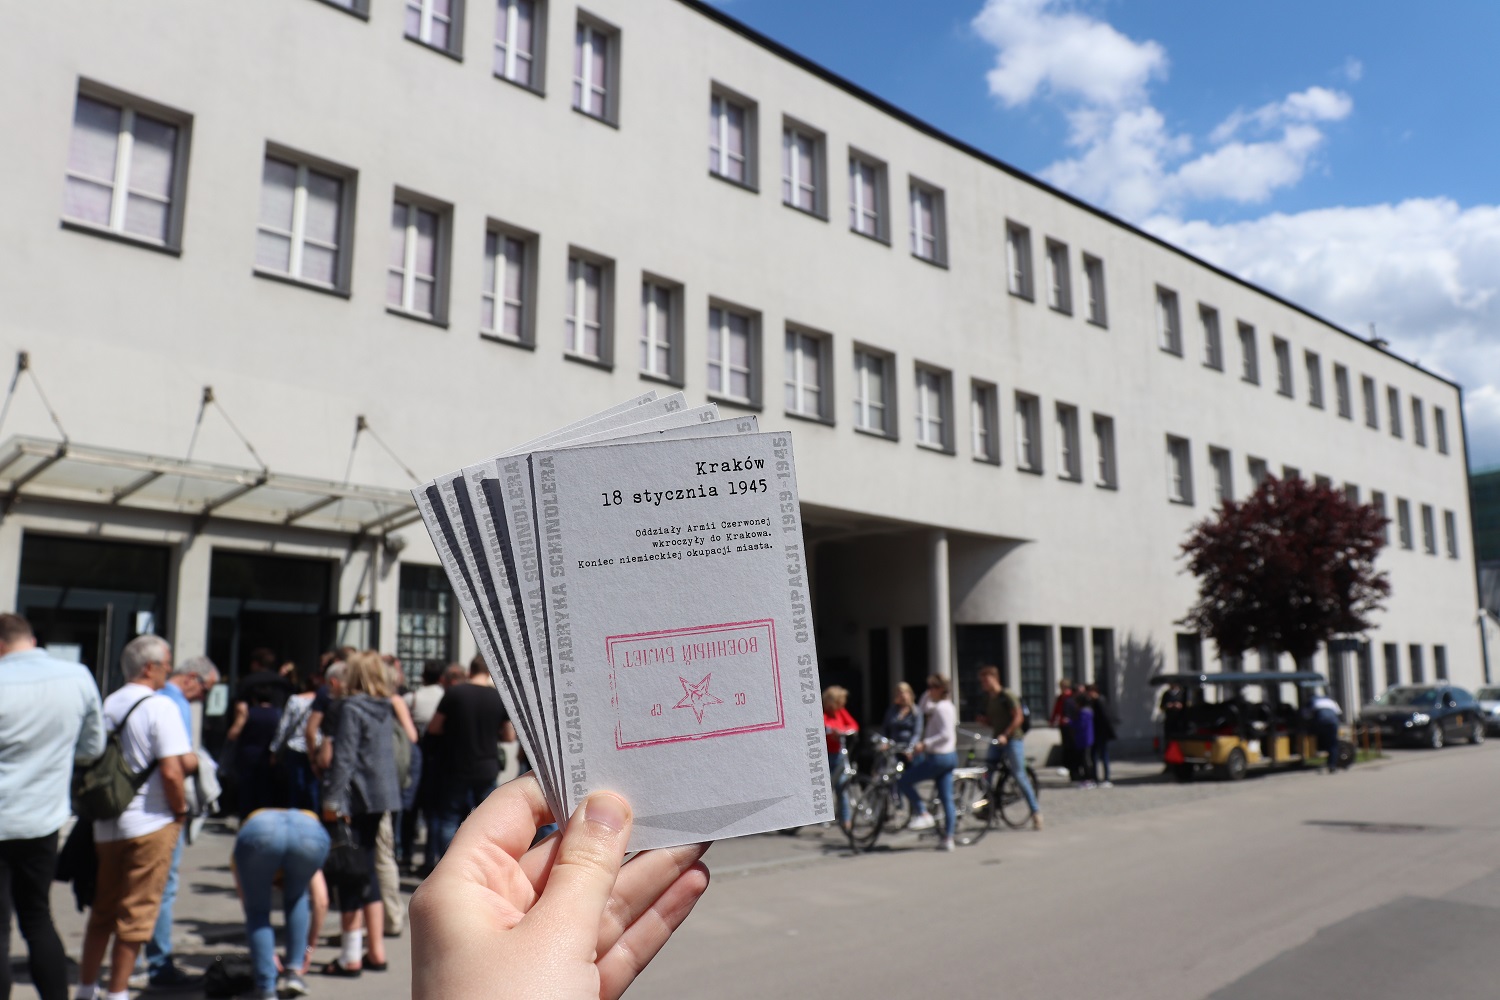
(1289, 567)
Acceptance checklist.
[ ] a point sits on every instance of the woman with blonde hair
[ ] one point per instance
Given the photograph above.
(362, 788)
(837, 723)
(936, 757)
(902, 724)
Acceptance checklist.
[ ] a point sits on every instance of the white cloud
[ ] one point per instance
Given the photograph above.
(1422, 270)
(1354, 70)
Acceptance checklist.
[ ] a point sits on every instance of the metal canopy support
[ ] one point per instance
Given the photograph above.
(37, 470)
(139, 484)
(231, 496)
(311, 508)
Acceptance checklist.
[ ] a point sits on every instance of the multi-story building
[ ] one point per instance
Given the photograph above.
(454, 224)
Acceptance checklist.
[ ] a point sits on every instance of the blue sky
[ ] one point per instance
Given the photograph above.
(1340, 153)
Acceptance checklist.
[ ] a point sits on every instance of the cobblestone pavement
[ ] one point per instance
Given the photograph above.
(209, 920)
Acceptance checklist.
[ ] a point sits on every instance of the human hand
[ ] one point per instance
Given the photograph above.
(561, 921)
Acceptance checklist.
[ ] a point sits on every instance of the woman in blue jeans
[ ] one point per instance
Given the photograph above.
(290, 843)
(936, 757)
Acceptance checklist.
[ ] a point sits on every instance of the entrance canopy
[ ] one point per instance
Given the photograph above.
(35, 468)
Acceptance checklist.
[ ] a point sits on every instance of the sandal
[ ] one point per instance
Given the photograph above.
(342, 971)
(374, 966)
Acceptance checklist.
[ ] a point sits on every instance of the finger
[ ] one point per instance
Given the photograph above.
(644, 938)
(583, 876)
(640, 884)
(485, 849)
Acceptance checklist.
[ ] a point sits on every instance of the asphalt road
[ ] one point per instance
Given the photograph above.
(1380, 883)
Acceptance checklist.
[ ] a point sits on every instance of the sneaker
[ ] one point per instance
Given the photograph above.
(922, 821)
(173, 978)
(1106, 784)
(946, 844)
(293, 985)
(1036, 821)
(139, 979)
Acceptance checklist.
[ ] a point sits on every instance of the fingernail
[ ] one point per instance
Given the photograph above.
(607, 809)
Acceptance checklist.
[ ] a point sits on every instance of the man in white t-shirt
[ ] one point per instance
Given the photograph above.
(135, 850)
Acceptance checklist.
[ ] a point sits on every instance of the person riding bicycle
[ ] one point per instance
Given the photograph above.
(902, 723)
(937, 756)
(1002, 713)
(837, 722)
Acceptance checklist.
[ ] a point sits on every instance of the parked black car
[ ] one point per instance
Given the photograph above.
(1426, 714)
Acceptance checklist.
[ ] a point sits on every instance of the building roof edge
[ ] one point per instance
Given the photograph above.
(907, 118)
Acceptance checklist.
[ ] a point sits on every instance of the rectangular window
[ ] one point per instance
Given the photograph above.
(303, 223)
(1069, 454)
(731, 137)
(1393, 408)
(873, 406)
(1322, 482)
(1223, 466)
(416, 267)
(931, 408)
(661, 330)
(1259, 471)
(1418, 671)
(1105, 474)
(1440, 662)
(1440, 428)
(1341, 392)
(1179, 470)
(732, 351)
(1168, 321)
(1314, 379)
(1028, 433)
(1283, 352)
(426, 616)
(1392, 656)
(1351, 493)
(1059, 278)
(984, 422)
(928, 225)
(1372, 408)
(1103, 641)
(1290, 472)
(1366, 653)
(1418, 423)
(125, 170)
(1450, 533)
(1213, 344)
(509, 272)
(1093, 275)
(867, 197)
(435, 23)
(518, 42)
(1249, 355)
(1429, 530)
(1189, 653)
(1018, 259)
(596, 70)
(587, 327)
(807, 371)
(1403, 522)
(1070, 655)
(802, 169)
(1036, 649)
(1377, 500)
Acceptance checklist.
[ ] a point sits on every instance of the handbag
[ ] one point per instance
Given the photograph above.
(229, 976)
(346, 861)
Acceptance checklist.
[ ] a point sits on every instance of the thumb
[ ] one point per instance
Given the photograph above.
(583, 876)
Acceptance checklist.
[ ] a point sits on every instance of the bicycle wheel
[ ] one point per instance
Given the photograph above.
(868, 801)
(971, 808)
(897, 809)
(1014, 809)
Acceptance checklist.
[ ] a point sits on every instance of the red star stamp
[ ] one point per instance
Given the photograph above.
(683, 684)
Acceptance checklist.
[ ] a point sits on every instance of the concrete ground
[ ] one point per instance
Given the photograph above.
(1380, 883)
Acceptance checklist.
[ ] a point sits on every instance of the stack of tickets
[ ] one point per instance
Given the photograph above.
(638, 584)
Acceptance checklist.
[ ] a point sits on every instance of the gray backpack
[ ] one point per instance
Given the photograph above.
(105, 788)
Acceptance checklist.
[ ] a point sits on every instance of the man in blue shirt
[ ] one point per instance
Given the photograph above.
(191, 681)
(49, 719)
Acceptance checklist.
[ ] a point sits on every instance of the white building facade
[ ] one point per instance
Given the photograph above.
(453, 224)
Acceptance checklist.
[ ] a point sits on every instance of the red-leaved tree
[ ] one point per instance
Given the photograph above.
(1289, 567)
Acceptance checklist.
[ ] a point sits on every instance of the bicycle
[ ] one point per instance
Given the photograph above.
(844, 778)
(1003, 791)
(878, 803)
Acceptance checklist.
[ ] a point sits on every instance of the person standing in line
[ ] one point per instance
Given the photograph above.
(257, 713)
(1104, 735)
(1058, 720)
(1002, 713)
(902, 724)
(135, 850)
(936, 757)
(472, 722)
(408, 773)
(290, 843)
(837, 723)
(297, 787)
(361, 788)
(1081, 722)
(50, 719)
(422, 703)
(191, 681)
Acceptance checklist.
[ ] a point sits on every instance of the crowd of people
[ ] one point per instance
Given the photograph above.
(329, 773)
